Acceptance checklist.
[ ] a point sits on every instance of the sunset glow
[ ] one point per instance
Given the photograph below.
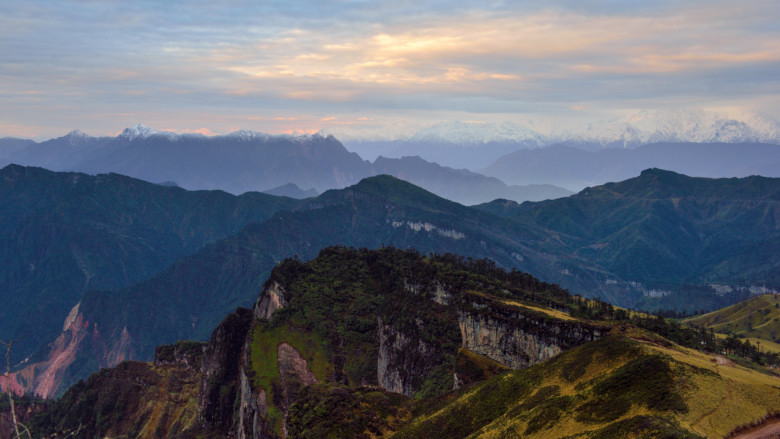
(100, 68)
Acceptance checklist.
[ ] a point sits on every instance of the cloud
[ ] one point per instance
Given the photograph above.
(70, 63)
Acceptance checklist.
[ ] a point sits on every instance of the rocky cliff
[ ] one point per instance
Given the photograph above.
(519, 337)
(344, 323)
(389, 319)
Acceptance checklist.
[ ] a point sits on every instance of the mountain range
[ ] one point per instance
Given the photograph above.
(140, 271)
(249, 161)
(574, 168)
(475, 145)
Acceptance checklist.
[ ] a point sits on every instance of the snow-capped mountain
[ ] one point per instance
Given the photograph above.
(631, 131)
(694, 126)
(138, 131)
(247, 135)
(76, 137)
(474, 133)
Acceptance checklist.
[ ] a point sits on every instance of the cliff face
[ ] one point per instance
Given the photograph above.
(386, 320)
(408, 344)
(271, 299)
(519, 341)
(220, 369)
(402, 359)
(44, 378)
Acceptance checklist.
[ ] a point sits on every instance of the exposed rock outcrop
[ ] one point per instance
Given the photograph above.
(252, 412)
(294, 376)
(271, 299)
(221, 370)
(402, 359)
(519, 341)
(44, 378)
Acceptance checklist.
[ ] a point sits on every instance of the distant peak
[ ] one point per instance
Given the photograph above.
(396, 189)
(138, 131)
(465, 133)
(76, 133)
(655, 171)
(76, 136)
(247, 135)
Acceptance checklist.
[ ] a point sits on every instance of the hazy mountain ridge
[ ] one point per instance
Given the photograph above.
(64, 233)
(574, 168)
(293, 191)
(475, 145)
(662, 229)
(461, 185)
(249, 161)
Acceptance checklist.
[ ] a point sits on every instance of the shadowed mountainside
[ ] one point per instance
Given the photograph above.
(62, 234)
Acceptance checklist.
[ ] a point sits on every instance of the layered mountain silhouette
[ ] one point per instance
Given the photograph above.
(249, 161)
(62, 234)
(150, 264)
(575, 168)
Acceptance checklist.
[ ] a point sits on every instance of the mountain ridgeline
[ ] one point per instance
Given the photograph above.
(664, 230)
(249, 161)
(393, 343)
(574, 168)
(62, 234)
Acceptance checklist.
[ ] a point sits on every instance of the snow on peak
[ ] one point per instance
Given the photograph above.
(479, 132)
(138, 131)
(77, 136)
(656, 126)
(247, 135)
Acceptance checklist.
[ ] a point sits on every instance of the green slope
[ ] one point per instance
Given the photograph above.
(611, 388)
(758, 317)
(668, 231)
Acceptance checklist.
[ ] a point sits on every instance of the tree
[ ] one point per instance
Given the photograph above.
(7, 376)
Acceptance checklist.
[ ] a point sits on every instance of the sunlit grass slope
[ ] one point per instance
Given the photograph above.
(758, 317)
(612, 388)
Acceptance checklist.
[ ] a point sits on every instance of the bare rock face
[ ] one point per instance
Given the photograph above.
(401, 359)
(220, 367)
(252, 412)
(45, 377)
(271, 299)
(519, 341)
(294, 376)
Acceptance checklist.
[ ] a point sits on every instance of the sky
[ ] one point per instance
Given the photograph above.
(376, 67)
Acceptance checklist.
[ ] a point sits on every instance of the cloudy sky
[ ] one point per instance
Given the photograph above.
(370, 66)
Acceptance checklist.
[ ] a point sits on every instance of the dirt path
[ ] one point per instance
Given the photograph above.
(720, 404)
